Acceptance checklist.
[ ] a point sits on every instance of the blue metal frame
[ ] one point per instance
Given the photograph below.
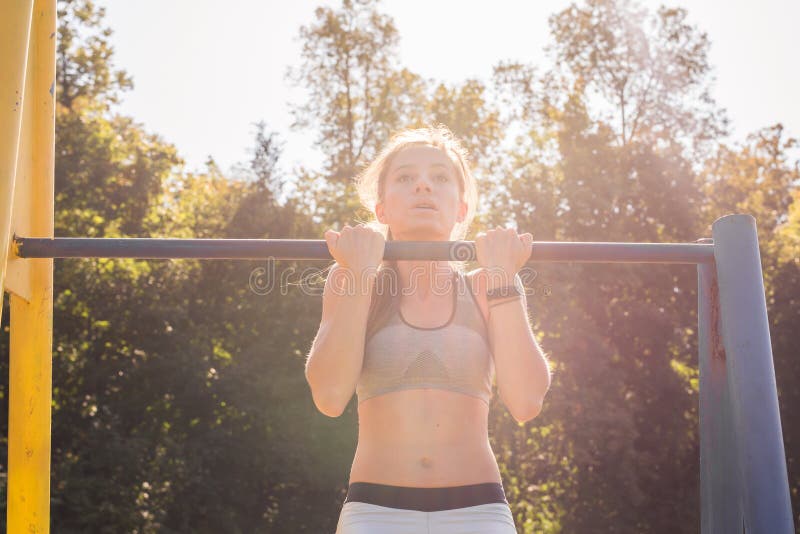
(744, 484)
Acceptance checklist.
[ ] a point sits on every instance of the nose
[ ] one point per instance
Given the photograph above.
(424, 183)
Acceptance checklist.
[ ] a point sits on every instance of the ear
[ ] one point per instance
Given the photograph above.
(462, 211)
(380, 213)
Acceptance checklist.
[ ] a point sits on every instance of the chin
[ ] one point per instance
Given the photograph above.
(424, 232)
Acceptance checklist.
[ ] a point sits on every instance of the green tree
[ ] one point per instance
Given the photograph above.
(761, 177)
(465, 109)
(758, 178)
(650, 70)
(84, 70)
(108, 172)
(609, 140)
(356, 97)
(784, 312)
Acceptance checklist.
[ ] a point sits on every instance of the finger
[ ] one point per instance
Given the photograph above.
(527, 241)
(331, 238)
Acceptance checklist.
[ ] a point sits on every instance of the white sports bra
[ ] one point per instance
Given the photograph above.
(455, 356)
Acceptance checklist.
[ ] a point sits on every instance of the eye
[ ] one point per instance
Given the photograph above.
(402, 178)
(442, 177)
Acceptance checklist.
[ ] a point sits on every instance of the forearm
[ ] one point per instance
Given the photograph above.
(336, 356)
(523, 375)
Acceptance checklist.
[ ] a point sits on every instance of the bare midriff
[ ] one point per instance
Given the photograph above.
(424, 438)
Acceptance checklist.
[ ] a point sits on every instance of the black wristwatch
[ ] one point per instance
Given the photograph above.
(503, 292)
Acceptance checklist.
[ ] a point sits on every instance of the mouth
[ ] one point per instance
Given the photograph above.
(425, 206)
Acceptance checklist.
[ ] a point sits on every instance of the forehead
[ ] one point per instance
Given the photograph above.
(420, 156)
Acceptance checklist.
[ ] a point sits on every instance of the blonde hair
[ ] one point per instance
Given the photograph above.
(370, 187)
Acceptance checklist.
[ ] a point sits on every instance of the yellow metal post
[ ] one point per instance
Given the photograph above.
(15, 25)
(30, 369)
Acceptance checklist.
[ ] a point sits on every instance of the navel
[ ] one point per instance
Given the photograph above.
(426, 462)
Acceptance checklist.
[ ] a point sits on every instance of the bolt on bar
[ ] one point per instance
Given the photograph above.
(311, 249)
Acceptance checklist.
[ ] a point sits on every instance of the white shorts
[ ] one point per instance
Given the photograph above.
(365, 518)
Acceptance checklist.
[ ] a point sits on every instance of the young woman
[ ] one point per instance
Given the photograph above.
(421, 343)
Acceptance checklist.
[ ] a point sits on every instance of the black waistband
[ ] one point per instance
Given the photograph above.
(426, 499)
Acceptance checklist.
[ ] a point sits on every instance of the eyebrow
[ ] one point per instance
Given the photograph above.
(412, 165)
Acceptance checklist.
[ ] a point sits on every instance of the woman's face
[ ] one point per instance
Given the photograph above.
(421, 195)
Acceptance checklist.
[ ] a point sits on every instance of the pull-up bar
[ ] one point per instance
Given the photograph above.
(311, 249)
(743, 468)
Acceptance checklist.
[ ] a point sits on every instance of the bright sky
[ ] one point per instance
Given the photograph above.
(205, 70)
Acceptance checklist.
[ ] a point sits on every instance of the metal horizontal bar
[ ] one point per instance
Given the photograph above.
(311, 249)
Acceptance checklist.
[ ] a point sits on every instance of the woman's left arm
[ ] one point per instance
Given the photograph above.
(522, 370)
(523, 374)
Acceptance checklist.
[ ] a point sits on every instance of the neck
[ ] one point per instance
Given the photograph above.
(424, 277)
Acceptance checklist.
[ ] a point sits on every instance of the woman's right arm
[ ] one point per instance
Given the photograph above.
(334, 363)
